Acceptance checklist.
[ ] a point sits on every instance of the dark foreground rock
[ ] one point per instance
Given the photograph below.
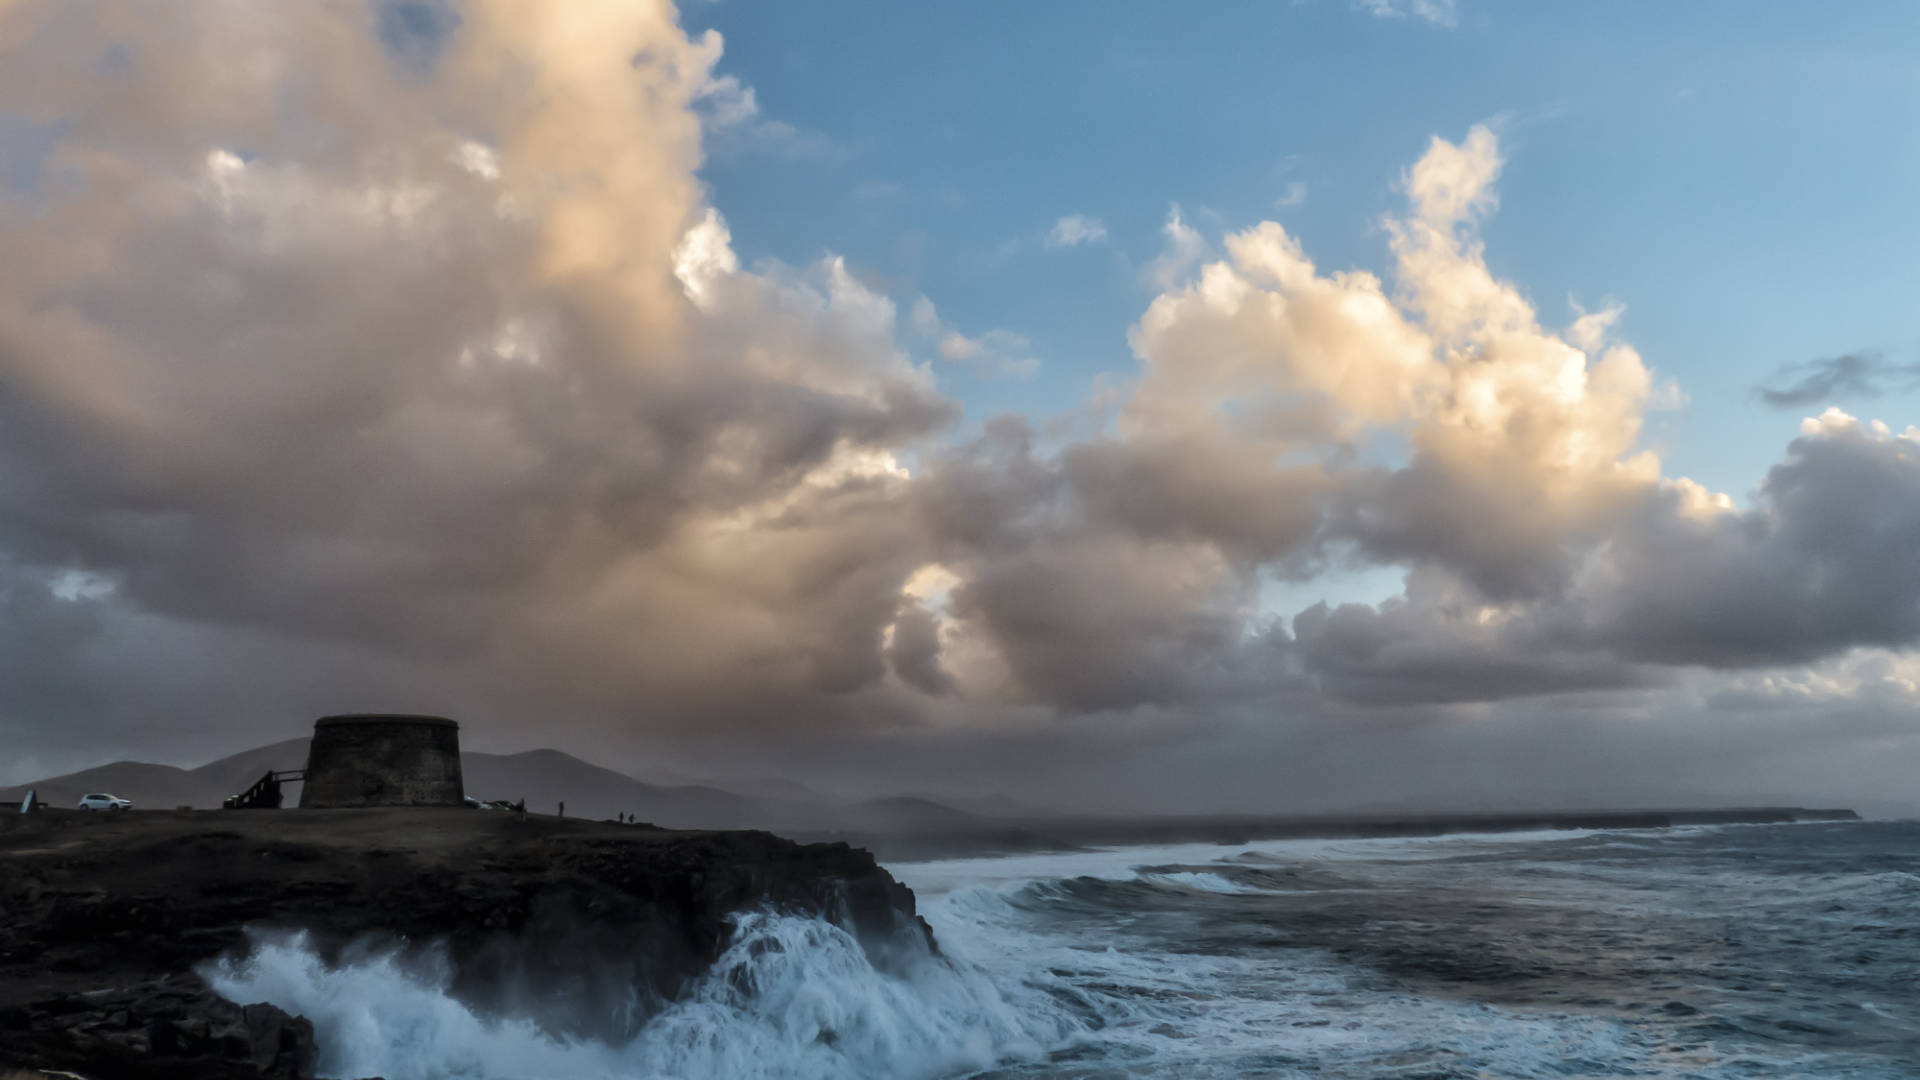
(172, 1027)
(104, 921)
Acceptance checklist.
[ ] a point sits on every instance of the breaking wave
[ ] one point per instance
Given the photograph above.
(792, 998)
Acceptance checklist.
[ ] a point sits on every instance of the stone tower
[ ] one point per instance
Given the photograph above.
(383, 760)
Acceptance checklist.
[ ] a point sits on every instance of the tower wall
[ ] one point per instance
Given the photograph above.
(383, 760)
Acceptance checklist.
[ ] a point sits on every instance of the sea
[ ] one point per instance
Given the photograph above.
(1710, 952)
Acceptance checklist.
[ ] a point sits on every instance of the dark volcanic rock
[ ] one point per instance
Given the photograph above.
(169, 1029)
(105, 919)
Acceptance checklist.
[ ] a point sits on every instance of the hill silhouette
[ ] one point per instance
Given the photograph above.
(544, 778)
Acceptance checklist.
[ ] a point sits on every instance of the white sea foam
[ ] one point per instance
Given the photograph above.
(1287, 1013)
(791, 998)
(1200, 881)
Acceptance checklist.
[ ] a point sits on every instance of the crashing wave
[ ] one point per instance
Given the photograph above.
(793, 998)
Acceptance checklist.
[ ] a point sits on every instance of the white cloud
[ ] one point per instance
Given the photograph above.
(1437, 12)
(703, 257)
(729, 104)
(1075, 230)
(732, 119)
(1295, 194)
(993, 353)
(1185, 248)
(477, 158)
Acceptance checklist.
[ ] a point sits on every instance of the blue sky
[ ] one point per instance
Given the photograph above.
(1701, 164)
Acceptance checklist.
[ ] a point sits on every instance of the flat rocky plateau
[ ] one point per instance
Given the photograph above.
(104, 919)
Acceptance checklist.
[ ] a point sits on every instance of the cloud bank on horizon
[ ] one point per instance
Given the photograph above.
(334, 375)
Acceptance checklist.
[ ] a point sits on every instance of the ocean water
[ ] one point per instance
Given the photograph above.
(1735, 951)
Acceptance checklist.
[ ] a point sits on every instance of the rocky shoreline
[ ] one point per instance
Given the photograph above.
(105, 921)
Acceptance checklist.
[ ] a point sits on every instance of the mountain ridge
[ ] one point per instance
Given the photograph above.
(545, 777)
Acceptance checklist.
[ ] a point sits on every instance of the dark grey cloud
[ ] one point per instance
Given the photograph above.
(1404, 653)
(1849, 376)
(914, 651)
(1827, 559)
(1825, 562)
(1200, 489)
(1490, 533)
(1093, 590)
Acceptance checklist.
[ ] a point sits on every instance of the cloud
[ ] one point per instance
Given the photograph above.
(1818, 565)
(607, 429)
(1854, 375)
(449, 391)
(733, 122)
(913, 649)
(1679, 578)
(1442, 644)
(1546, 552)
(994, 353)
(1438, 12)
(1075, 230)
(1055, 605)
(1295, 195)
(1185, 248)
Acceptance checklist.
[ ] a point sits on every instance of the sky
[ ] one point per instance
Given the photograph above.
(1296, 406)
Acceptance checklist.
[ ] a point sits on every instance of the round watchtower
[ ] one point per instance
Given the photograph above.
(377, 759)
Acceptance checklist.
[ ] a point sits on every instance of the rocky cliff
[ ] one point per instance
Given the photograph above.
(105, 919)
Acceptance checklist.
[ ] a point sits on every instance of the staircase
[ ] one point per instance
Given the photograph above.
(265, 792)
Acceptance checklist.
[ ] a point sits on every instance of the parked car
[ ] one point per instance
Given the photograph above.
(104, 801)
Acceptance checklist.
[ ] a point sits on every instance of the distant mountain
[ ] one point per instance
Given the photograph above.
(544, 778)
(775, 788)
(1000, 806)
(155, 787)
(902, 813)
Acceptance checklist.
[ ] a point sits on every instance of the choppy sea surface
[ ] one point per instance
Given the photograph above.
(1713, 952)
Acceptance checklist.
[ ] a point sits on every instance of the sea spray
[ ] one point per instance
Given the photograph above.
(792, 997)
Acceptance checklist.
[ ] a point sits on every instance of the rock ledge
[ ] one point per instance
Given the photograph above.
(104, 920)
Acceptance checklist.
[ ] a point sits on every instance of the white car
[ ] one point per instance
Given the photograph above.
(104, 801)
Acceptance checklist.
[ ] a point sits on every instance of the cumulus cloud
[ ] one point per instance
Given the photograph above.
(439, 384)
(1546, 551)
(1075, 230)
(1855, 375)
(481, 385)
(1821, 562)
